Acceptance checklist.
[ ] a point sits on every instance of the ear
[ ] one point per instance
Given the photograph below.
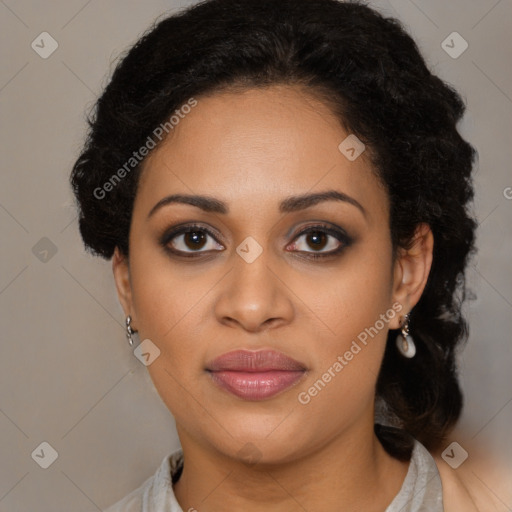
(411, 270)
(121, 270)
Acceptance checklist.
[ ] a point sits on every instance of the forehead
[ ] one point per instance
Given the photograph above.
(258, 145)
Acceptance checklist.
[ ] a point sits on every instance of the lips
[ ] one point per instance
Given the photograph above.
(255, 375)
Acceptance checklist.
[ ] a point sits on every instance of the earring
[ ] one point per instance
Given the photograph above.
(404, 341)
(129, 330)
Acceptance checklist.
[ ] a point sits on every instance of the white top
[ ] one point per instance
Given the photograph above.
(421, 490)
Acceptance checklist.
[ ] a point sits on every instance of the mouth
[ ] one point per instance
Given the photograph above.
(255, 375)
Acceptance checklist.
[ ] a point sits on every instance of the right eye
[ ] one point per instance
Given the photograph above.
(190, 241)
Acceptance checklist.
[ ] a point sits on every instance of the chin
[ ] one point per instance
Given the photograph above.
(261, 440)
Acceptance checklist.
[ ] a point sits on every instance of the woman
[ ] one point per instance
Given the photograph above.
(284, 195)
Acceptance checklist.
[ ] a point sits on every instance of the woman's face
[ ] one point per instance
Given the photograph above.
(245, 277)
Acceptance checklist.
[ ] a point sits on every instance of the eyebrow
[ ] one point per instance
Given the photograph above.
(290, 204)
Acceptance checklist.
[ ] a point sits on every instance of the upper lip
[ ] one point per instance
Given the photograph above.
(254, 361)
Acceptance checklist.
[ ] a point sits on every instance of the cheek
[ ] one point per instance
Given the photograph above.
(341, 388)
(349, 299)
(355, 305)
(172, 311)
(160, 302)
(164, 296)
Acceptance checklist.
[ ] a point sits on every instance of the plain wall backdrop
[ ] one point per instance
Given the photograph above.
(67, 375)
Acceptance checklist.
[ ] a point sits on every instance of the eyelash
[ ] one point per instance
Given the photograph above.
(338, 234)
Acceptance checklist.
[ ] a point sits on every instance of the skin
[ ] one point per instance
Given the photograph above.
(251, 150)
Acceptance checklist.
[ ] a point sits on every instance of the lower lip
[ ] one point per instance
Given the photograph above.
(256, 385)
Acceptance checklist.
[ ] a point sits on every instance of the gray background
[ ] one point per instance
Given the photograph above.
(67, 375)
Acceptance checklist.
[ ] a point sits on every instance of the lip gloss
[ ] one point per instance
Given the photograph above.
(255, 375)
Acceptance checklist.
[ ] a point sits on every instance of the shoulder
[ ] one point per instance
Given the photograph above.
(463, 490)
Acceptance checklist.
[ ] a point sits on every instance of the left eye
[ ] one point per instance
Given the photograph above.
(320, 240)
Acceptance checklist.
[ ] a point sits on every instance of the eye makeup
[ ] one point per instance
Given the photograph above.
(188, 235)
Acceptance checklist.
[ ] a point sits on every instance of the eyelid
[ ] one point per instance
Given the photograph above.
(321, 225)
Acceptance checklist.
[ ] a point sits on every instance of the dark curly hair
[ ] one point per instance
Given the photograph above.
(371, 74)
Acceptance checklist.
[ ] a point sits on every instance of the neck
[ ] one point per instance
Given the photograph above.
(352, 469)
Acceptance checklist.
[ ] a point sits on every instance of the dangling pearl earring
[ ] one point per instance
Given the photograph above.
(404, 341)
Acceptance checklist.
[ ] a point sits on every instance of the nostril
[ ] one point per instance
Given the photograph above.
(271, 322)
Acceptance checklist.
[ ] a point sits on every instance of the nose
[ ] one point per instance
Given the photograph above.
(254, 297)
